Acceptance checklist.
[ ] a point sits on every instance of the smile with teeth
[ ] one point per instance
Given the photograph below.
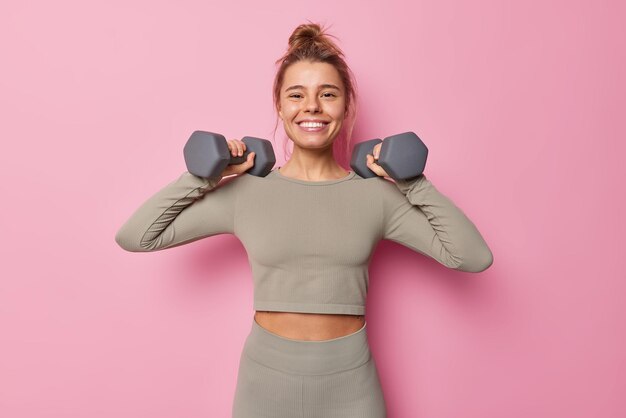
(312, 126)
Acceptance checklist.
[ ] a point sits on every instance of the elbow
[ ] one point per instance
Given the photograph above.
(123, 241)
(485, 261)
(127, 243)
(130, 242)
(478, 262)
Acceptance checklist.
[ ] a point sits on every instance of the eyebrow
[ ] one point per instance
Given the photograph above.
(323, 86)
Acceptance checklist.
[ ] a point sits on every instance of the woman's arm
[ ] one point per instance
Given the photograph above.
(185, 210)
(423, 219)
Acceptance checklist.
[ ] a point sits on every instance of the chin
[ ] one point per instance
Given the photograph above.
(315, 145)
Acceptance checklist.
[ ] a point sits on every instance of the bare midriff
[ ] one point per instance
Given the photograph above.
(309, 326)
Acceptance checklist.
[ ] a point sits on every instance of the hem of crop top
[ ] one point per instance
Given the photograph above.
(324, 308)
(350, 175)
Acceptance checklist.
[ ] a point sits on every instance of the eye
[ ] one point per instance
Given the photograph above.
(296, 95)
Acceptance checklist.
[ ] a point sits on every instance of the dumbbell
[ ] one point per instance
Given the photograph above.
(402, 156)
(207, 155)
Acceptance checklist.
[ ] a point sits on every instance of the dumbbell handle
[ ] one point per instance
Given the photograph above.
(239, 159)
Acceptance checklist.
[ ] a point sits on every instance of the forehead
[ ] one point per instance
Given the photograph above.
(311, 74)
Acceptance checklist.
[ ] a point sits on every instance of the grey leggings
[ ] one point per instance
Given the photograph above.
(284, 378)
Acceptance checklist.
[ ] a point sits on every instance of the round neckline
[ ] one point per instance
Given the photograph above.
(315, 183)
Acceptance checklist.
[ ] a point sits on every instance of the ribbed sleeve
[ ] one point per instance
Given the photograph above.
(185, 210)
(425, 220)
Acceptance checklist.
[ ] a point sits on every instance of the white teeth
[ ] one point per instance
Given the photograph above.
(312, 124)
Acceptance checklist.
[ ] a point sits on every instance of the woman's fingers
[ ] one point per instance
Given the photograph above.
(236, 147)
(250, 161)
(376, 151)
(245, 166)
(372, 165)
(241, 147)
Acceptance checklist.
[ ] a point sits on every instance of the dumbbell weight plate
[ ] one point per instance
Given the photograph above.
(206, 153)
(358, 161)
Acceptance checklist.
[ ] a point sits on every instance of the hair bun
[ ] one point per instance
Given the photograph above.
(311, 36)
(304, 33)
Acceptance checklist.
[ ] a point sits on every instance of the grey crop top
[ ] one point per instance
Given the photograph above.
(308, 242)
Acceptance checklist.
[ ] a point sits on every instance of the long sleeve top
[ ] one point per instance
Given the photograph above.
(308, 242)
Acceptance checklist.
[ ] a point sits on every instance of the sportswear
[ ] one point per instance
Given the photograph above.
(309, 243)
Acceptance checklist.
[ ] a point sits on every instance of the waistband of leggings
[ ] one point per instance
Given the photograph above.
(307, 357)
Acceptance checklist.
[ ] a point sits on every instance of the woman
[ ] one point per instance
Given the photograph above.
(309, 228)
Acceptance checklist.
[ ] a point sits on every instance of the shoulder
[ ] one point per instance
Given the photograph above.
(384, 189)
(246, 183)
(384, 186)
(233, 184)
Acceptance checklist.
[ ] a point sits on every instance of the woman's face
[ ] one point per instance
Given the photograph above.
(312, 91)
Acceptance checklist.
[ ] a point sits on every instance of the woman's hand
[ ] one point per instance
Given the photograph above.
(237, 148)
(371, 164)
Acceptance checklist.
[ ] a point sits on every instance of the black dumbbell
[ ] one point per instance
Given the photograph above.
(207, 155)
(402, 156)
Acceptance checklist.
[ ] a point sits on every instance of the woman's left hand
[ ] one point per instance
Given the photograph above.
(371, 164)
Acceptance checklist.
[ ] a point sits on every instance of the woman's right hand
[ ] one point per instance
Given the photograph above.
(237, 148)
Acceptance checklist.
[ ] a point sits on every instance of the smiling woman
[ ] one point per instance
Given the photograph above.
(309, 229)
(314, 95)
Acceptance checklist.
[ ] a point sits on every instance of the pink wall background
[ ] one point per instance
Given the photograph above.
(518, 103)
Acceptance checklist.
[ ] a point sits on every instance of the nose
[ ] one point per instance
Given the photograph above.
(312, 104)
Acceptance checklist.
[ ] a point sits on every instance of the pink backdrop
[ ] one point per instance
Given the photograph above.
(517, 101)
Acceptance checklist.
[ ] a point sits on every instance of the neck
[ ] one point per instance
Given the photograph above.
(313, 165)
